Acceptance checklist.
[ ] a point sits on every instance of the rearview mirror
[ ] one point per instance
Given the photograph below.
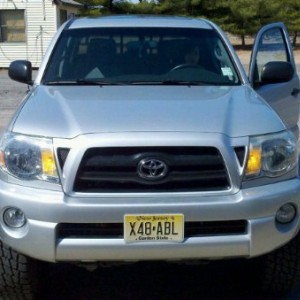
(276, 72)
(21, 71)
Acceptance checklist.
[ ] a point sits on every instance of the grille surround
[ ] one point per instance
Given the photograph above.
(114, 170)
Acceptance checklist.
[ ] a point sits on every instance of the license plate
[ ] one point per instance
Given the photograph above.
(154, 228)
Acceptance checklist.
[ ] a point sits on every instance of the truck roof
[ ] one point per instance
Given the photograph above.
(139, 21)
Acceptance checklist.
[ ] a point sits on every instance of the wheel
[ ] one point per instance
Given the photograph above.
(18, 275)
(280, 270)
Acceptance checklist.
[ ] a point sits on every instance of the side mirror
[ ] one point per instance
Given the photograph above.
(276, 72)
(21, 71)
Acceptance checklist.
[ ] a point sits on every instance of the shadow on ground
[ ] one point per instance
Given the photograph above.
(224, 280)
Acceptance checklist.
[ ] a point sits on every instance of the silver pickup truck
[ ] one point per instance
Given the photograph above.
(142, 138)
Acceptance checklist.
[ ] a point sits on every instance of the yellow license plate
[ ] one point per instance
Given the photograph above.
(154, 228)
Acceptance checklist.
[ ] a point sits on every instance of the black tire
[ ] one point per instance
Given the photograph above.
(18, 275)
(280, 270)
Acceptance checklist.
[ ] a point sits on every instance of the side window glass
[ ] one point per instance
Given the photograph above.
(272, 47)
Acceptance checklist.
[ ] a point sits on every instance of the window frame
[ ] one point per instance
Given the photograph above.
(2, 26)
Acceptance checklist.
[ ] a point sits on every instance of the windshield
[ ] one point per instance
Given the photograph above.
(140, 56)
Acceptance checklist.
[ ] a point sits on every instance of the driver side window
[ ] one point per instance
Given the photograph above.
(272, 47)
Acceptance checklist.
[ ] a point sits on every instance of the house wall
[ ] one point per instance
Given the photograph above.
(71, 10)
(42, 21)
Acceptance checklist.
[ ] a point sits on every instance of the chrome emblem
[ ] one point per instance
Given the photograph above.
(152, 169)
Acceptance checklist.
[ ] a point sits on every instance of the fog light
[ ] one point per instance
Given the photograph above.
(14, 217)
(286, 213)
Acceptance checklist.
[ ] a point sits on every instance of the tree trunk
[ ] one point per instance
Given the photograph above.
(243, 40)
(295, 38)
(110, 7)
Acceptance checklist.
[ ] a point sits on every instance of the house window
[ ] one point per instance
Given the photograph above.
(12, 26)
(63, 16)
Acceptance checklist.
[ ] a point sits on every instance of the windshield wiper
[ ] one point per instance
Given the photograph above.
(80, 82)
(183, 82)
(104, 82)
(60, 82)
(165, 82)
(97, 82)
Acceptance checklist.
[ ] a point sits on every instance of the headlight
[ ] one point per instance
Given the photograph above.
(271, 155)
(27, 157)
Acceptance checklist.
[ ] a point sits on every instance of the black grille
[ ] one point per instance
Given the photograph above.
(115, 230)
(102, 230)
(62, 154)
(115, 170)
(240, 153)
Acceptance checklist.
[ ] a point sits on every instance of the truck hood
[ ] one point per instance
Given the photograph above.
(69, 111)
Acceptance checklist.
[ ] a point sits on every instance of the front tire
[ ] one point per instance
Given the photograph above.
(280, 270)
(18, 275)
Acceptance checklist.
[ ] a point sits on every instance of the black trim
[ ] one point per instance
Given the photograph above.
(116, 230)
(240, 153)
(69, 24)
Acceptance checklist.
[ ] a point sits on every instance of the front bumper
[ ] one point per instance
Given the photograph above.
(46, 209)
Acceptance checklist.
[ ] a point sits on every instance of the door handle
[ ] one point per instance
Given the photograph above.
(295, 92)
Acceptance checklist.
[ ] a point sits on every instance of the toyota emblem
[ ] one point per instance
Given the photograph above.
(152, 169)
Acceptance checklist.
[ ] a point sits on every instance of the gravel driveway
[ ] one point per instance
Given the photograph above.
(11, 94)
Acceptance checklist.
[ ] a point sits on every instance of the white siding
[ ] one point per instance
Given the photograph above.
(41, 18)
